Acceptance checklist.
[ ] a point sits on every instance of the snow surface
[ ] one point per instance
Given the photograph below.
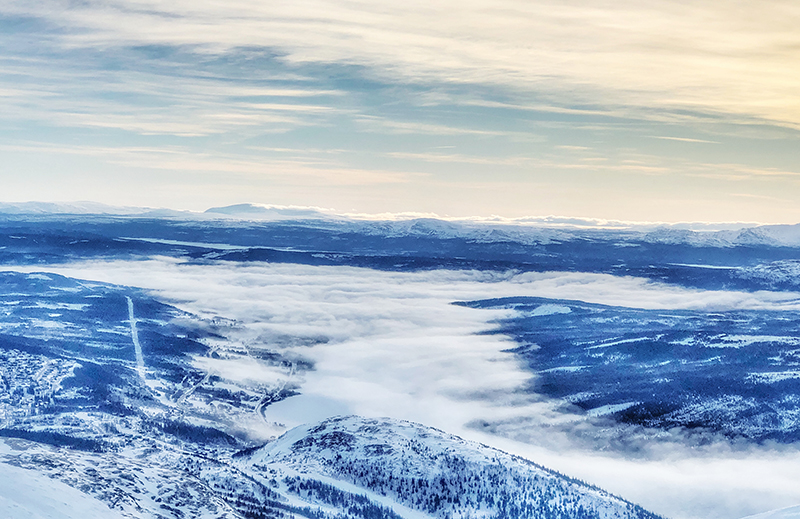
(135, 339)
(285, 315)
(610, 409)
(204, 245)
(493, 229)
(25, 494)
(427, 469)
(550, 309)
(792, 512)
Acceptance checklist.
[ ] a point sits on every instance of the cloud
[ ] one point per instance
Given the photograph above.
(460, 159)
(647, 57)
(172, 94)
(549, 105)
(684, 139)
(391, 344)
(242, 370)
(406, 127)
(301, 169)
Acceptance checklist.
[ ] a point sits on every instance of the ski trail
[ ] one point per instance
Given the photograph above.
(135, 337)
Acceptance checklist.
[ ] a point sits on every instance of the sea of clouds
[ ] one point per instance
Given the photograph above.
(393, 344)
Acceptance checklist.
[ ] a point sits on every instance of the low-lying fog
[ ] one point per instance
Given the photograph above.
(391, 344)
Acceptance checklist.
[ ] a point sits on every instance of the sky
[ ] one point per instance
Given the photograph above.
(631, 110)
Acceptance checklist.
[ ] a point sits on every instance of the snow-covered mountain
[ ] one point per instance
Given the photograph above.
(125, 402)
(750, 258)
(270, 212)
(527, 230)
(342, 468)
(157, 412)
(84, 208)
(429, 471)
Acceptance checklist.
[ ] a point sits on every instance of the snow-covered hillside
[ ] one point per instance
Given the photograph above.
(27, 494)
(109, 398)
(792, 512)
(109, 389)
(432, 472)
(341, 468)
(526, 230)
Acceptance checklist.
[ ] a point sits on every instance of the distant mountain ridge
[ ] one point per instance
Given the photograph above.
(83, 208)
(526, 230)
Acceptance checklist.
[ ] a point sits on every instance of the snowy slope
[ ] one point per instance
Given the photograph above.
(433, 472)
(792, 512)
(26, 494)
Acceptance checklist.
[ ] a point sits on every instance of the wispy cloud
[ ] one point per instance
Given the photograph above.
(637, 54)
(299, 169)
(460, 159)
(414, 127)
(683, 139)
(558, 100)
(740, 171)
(130, 91)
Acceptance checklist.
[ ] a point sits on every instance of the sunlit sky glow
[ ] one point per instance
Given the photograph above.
(644, 110)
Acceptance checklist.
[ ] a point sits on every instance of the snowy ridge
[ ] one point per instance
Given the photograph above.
(769, 235)
(526, 230)
(494, 229)
(82, 208)
(777, 274)
(436, 473)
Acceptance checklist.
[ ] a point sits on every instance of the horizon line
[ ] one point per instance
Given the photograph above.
(252, 210)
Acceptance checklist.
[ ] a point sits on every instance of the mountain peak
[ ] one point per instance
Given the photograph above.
(430, 471)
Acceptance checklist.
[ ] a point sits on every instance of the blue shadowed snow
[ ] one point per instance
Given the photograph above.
(735, 372)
